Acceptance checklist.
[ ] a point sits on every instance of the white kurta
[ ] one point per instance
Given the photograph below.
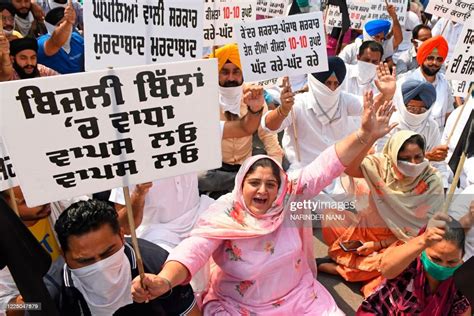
(172, 207)
(313, 136)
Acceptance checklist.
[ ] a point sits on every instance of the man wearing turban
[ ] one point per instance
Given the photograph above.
(322, 116)
(236, 101)
(430, 56)
(24, 62)
(8, 16)
(418, 98)
(376, 30)
(61, 49)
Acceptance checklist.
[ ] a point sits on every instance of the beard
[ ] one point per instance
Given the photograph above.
(22, 15)
(22, 74)
(228, 84)
(429, 71)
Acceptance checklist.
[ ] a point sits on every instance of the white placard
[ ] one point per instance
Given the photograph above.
(220, 17)
(455, 10)
(272, 8)
(277, 47)
(130, 33)
(461, 66)
(90, 132)
(7, 174)
(378, 10)
(460, 88)
(358, 12)
(361, 11)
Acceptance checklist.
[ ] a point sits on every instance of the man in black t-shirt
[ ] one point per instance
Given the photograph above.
(100, 265)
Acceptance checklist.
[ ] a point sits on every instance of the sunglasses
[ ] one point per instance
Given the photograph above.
(438, 59)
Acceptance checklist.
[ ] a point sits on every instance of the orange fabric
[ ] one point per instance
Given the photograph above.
(229, 52)
(429, 45)
(366, 225)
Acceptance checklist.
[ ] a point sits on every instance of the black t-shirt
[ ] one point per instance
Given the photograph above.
(70, 301)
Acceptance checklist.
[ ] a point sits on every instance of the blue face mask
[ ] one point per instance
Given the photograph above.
(438, 272)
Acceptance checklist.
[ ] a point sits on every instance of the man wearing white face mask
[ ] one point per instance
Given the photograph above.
(100, 266)
(62, 49)
(407, 60)
(47, 5)
(323, 114)
(235, 103)
(361, 76)
(414, 101)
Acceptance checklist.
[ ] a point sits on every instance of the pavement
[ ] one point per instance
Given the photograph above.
(347, 295)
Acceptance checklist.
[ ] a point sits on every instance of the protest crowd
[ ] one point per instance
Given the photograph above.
(187, 157)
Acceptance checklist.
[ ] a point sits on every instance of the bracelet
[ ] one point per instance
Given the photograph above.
(360, 138)
(255, 112)
(167, 282)
(280, 111)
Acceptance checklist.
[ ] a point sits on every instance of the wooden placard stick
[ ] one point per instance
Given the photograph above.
(12, 203)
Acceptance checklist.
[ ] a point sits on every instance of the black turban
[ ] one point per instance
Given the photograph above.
(20, 44)
(54, 16)
(336, 66)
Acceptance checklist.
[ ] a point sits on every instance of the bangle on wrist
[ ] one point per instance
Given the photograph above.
(280, 111)
(255, 112)
(170, 287)
(363, 142)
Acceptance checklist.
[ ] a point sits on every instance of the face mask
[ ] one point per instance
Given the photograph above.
(367, 72)
(230, 98)
(412, 169)
(326, 100)
(105, 285)
(438, 272)
(413, 121)
(51, 28)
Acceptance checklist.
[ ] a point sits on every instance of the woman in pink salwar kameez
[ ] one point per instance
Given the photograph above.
(259, 237)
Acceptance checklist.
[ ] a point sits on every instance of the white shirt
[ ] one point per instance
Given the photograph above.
(451, 34)
(444, 95)
(313, 136)
(172, 207)
(350, 52)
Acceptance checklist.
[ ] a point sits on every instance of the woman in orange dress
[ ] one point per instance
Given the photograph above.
(396, 193)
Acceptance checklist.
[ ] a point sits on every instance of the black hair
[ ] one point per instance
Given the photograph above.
(265, 163)
(455, 234)
(415, 139)
(83, 217)
(372, 45)
(418, 28)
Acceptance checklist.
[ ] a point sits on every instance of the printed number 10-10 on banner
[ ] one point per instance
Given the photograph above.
(279, 47)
